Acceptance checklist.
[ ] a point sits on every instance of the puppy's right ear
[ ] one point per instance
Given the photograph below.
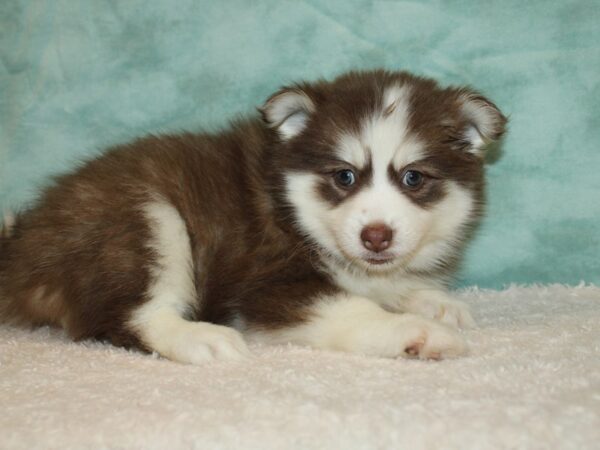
(288, 111)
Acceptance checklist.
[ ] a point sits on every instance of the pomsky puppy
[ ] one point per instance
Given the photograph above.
(333, 221)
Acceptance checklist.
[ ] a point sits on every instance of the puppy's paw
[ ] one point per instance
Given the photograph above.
(204, 344)
(198, 343)
(430, 340)
(439, 307)
(426, 339)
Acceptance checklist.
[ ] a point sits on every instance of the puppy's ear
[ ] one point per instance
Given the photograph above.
(485, 122)
(288, 111)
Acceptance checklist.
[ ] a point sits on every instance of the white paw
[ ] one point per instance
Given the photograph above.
(439, 307)
(357, 325)
(425, 339)
(200, 342)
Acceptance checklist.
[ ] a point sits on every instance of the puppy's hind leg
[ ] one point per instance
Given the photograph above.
(160, 322)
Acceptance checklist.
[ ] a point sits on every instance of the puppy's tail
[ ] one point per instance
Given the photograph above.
(7, 227)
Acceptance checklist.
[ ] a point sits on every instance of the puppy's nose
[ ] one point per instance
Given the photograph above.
(376, 237)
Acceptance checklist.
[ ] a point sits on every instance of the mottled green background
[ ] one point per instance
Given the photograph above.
(76, 76)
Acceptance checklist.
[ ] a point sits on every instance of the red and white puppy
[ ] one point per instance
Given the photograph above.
(335, 222)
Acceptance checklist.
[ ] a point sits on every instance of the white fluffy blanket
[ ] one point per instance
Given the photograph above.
(532, 381)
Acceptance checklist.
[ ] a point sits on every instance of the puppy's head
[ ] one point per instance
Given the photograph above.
(383, 170)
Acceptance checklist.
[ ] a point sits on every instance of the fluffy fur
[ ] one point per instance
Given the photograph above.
(334, 222)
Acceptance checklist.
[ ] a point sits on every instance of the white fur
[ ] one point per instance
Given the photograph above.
(191, 342)
(379, 203)
(388, 136)
(403, 292)
(288, 112)
(352, 150)
(357, 325)
(485, 121)
(390, 290)
(477, 142)
(310, 210)
(384, 135)
(160, 321)
(7, 225)
(446, 225)
(422, 237)
(436, 304)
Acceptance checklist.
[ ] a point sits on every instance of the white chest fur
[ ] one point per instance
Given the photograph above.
(391, 291)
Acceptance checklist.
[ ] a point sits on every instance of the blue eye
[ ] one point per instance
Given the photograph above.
(412, 179)
(345, 178)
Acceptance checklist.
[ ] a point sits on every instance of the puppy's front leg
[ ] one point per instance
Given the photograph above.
(437, 304)
(357, 325)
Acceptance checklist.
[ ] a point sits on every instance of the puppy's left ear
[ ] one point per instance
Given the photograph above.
(485, 122)
(288, 111)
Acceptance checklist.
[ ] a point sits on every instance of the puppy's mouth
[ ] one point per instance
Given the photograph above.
(371, 259)
(379, 259)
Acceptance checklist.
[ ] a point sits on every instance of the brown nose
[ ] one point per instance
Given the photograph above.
(376, 237)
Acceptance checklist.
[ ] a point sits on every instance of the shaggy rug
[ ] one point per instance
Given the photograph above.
(532, 381)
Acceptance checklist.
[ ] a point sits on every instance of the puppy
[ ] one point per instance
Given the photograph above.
(333, 222)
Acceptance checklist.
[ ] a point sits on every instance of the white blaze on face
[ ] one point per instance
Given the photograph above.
(384, 140)
(420, 236)
(311, 212)
(446, 219)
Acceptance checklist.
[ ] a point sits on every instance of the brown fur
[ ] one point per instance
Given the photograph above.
(80, 258)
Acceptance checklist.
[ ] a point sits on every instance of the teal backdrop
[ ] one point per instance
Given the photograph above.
(79, 75)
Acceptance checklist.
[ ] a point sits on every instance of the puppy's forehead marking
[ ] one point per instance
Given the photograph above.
(410, 150)
(352, 150)
(393, 97)
(385, 136)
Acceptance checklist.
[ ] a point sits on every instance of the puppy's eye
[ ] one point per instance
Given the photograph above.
(412, 179)
(345, 178)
